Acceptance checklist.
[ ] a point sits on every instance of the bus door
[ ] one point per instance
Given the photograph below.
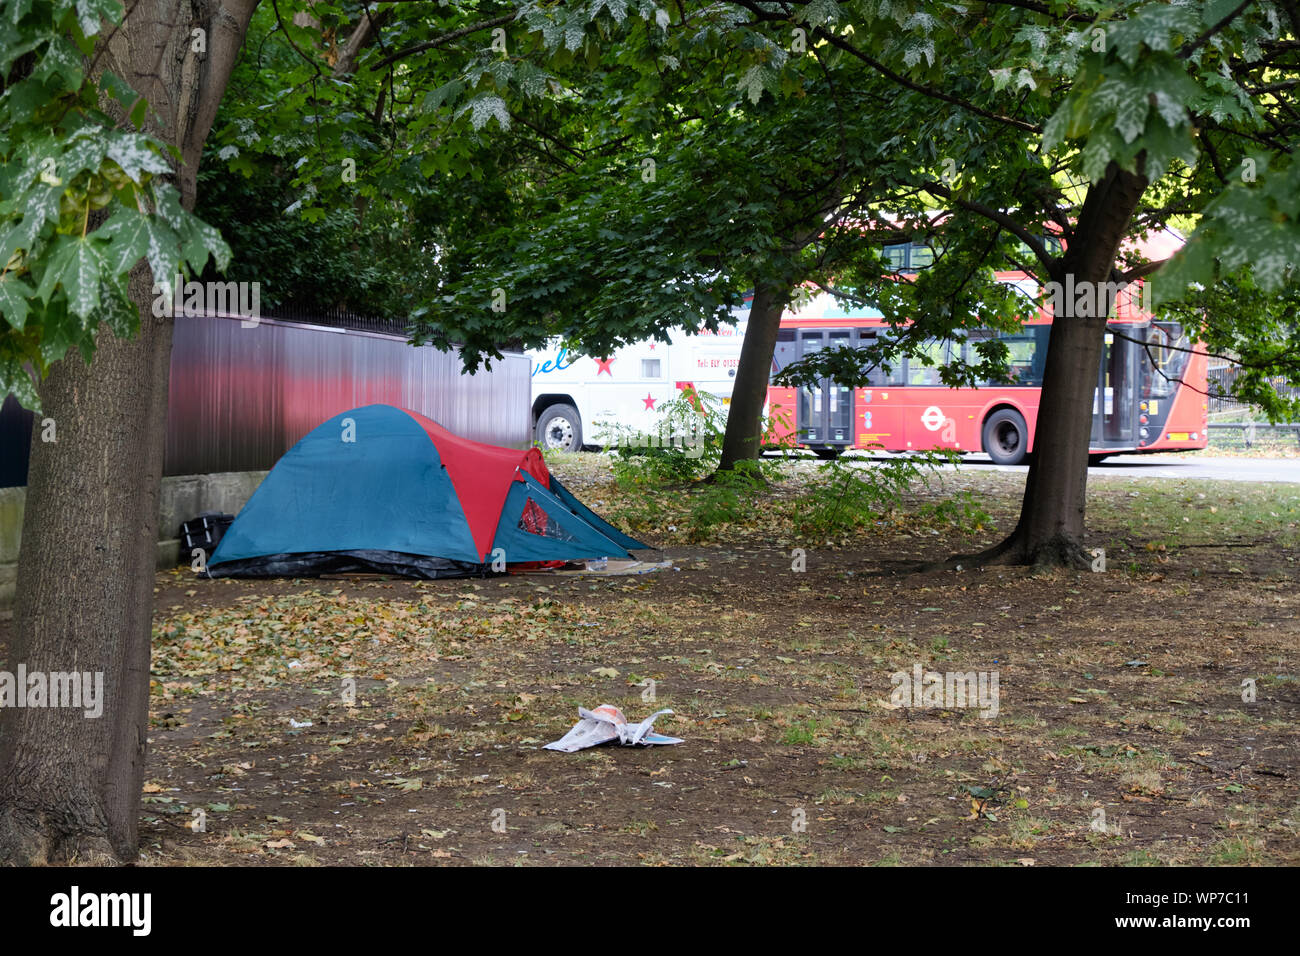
(1165, 364)
(1114, 404)
(825, 411)
(782, 400)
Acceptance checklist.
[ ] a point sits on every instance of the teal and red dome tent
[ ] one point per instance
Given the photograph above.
(382, 489)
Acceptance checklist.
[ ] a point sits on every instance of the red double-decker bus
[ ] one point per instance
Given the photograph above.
(1150, 394)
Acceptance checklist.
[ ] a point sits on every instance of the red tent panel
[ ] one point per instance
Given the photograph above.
(481, 475)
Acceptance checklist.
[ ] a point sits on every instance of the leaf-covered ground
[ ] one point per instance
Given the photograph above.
(1121, 737)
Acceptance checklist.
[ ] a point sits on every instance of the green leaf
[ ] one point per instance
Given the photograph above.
(91, 12)
(61, 59)
(81, 276)
(447, 93)
(19, 9)
(85, 152)
(118, 312)
(162, 249)
(14, 295)
(484, 108)
(1131, 116)
(1057, 126)
(128, 234)
(200, 239)
(57, 256)
(132, 152)
(754, 82)
(167, 202)
(117, 88)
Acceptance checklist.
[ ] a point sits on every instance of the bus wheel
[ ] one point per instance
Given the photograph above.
(828, 454)
(560, 429)
(1096, 459)
(1006, 439)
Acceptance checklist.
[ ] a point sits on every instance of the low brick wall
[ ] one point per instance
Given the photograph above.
(183, 497)
(11, 535)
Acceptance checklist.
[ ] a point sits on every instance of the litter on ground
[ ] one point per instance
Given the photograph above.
(607, 723)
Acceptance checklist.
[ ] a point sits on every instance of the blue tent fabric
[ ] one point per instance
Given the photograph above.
(593, 519)
(386, 502)
(562, 535)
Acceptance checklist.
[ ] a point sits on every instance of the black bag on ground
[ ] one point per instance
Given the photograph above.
(205, 531)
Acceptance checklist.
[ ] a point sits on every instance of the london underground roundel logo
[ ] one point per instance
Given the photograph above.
(932, 418)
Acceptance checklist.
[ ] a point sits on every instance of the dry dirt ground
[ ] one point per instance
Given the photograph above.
(1126, 730)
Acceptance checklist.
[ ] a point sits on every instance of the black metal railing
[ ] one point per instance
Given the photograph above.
(339, 319)
(1221, 399)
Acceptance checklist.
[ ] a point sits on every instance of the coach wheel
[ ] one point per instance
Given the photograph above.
(1006, 438)
(828, 454)
(560, 429)
(1096, 459)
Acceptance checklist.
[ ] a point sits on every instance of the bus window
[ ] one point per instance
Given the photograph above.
(1026, 355)
(970, 355)
(895, 256)
(876, 375)
(1165, 358)
(1050, 243)
(919, 373)
(920, 256)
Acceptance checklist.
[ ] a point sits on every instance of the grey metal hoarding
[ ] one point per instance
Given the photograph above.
(242, 394)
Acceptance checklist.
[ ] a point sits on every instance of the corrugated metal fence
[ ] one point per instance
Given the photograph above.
(242, 394)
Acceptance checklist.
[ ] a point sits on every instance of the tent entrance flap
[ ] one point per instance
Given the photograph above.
(537, 526)
(591, 518)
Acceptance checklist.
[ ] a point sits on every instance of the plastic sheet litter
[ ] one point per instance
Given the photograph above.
(606, 724)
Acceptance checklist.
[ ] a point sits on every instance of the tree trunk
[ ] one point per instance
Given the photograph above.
(742, 440)
(1051, 526)
(70, 784)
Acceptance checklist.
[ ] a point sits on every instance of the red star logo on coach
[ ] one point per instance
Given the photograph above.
(649, 402)
(602, 365)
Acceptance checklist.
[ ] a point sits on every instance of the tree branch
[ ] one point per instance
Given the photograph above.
(1034, 242)
(445, 39)
(1204, 38)
(278, 19)
(364, 32)
(768, 16)
(1138, 272)
(885, 71)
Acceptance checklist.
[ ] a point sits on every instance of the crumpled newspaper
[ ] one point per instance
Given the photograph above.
(607, 723)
